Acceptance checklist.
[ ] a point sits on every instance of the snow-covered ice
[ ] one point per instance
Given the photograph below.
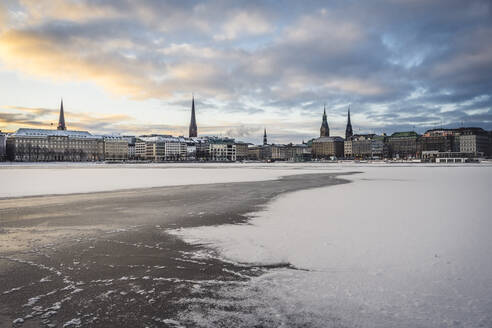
(62, 178)
(398, 247)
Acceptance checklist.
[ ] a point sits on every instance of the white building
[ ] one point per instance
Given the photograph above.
(160, 148)
(131, 146)
(474, 143)
(115, 148)
(140, 147)
(222, 149)
(34, 145)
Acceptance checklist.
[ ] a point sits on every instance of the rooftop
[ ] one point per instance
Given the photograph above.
(406, 134)
(328, 139)
(163, 138)
(23, 132)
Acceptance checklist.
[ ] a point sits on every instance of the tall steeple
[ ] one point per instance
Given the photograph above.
(348, 131)
(264, 138)
(324, 130)
(193, 129)
(61, 119)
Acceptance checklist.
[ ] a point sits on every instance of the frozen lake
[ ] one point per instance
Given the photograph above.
(31, 179)
(62, 178)
(398, 247)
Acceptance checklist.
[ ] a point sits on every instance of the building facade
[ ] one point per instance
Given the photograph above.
(3, 146)
(403, 145)
(222, 149)
(474, 141)
(440, 140)
(33, 145)
(467, 142)
(160, 148)
(362, 146)
(278, 152)
(379, 147)
(242, 151)
(327, 147)
(254, 153)
(131, 140)
(140, 149)
(115, 148)
(347, 148)
(202, 149)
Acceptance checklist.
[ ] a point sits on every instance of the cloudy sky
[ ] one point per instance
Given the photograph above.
(132, 66)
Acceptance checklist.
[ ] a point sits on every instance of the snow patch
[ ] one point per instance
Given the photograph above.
(73, 322)
(400, 246)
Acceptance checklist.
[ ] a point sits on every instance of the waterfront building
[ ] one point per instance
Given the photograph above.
(327, 147)
(261, 152)
(278, 152)
(131, 146)
(140, 149)
(222, 149)
(403, 144)
(474, 141)
(32, 145)
(266, 152)
(254, 152)
(447, 157)
(379, 147)
(193, 131)
(202, 148)
(348, 130)
(490, 144)
(159, 148)
(362, 146)
(115, 148)
(290, 152)
(347, 148)
(242, 151)
(3, 146)
(471, 141)
(440, 140)
(297, 152)
(365, 146)
(155, 150)
(175, 150)
(324, 131)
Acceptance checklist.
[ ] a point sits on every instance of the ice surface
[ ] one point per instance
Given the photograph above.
(398, 247)
(60, 178)
(29, 179)
(73, 322)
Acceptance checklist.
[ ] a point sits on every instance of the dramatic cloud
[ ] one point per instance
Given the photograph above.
(400, 63)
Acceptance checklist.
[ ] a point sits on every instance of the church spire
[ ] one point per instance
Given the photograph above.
(61, 119)
(193, 128)
(348, 131)
(264, 138)
(324, 130)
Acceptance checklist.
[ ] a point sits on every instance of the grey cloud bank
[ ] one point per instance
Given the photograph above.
(399, 63)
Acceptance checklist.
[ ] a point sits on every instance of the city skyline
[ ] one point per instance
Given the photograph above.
(121, 67)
